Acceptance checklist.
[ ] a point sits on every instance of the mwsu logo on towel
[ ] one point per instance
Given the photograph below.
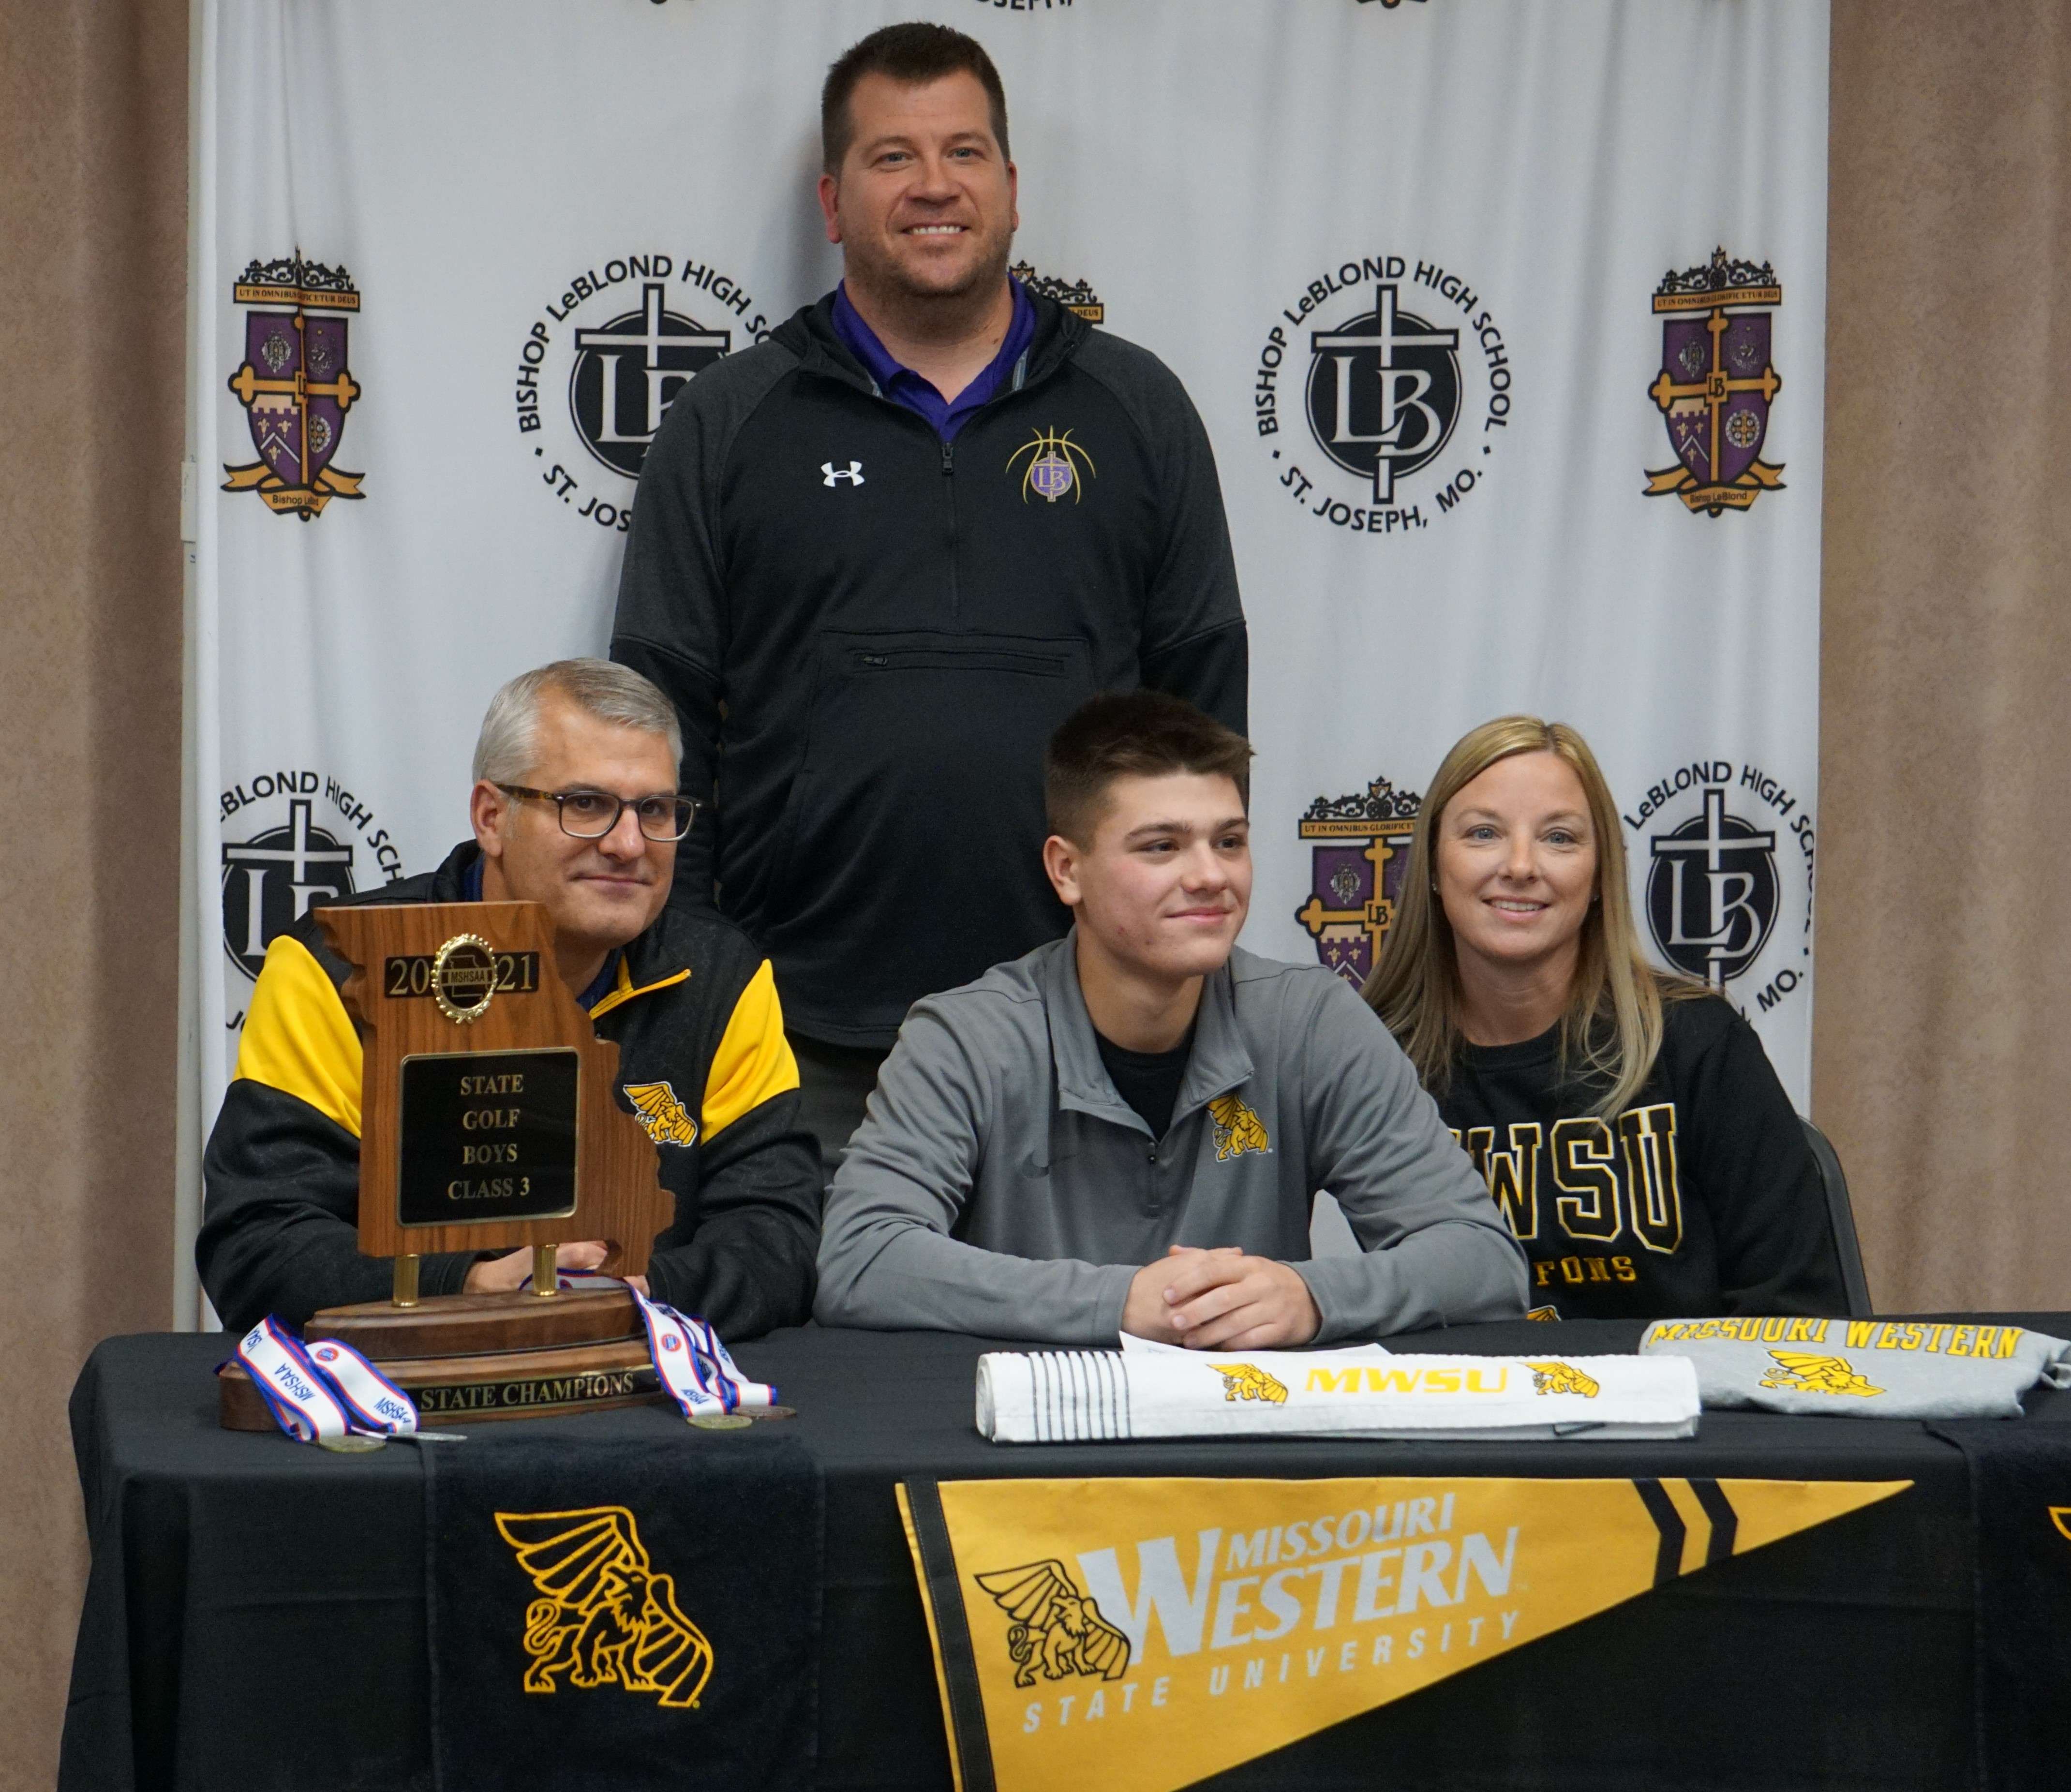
(601, 363)
(1382, 393)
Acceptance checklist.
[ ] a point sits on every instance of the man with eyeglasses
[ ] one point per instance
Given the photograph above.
(574, 806)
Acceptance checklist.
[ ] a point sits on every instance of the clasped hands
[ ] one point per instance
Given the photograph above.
(506, 1274)
(1220, 1299)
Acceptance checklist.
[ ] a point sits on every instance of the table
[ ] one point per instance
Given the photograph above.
(1841, 1656)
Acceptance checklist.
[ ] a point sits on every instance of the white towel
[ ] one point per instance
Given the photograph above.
(1081, 1396)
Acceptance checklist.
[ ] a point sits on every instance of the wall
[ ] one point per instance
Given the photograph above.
(94, 137)
(1940, 1066)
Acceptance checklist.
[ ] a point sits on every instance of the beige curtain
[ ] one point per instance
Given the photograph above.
(1941, 1057)
(94, 102)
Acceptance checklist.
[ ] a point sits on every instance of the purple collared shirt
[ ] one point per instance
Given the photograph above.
(902, 386)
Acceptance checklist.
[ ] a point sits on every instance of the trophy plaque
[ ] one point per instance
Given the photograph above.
(488, 1121)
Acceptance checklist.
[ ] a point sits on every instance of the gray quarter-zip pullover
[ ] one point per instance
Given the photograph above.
(1000, 1185)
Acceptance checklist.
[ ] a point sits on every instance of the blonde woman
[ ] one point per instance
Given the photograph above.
(1627, 1122)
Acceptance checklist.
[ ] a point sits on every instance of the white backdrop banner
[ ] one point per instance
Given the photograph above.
(455, 260)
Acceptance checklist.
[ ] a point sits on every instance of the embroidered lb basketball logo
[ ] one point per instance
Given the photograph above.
(1056, 468)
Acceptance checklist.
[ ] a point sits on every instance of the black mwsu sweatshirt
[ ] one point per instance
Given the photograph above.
(870, 634)
(1702, 1197)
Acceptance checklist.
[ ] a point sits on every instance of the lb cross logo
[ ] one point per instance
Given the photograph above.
(604, 1618)
(1404, 374)
(271, 880)
(832, 474)
(294, 384)
(1384, 392)
(622, 339)
(1711, 894)
(1054, 1630)
(1055, 467)
(628, 368)
(1722, 887)
(294, 839)
(1717, 383)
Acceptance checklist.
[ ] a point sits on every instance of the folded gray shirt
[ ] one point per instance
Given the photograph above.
(1000, 1185)
(1863, 1368)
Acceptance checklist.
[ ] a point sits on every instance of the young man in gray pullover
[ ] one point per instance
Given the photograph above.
(1125, 1129)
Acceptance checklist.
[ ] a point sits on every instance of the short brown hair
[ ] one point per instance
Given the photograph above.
(913, 54)
(1132, 734)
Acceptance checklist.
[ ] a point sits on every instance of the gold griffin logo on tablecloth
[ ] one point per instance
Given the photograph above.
(1237, 1129)
(1054, 1629)
(667, 1120)
(1816, 1374)
(607, 1618)
(1245, 1381)
(1562, 1378)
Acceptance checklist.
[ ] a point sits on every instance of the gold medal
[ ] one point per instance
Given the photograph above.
(464, 978)
(352, 1443)
(724, 1421)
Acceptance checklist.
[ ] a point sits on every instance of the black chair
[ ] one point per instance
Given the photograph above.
(1843, 1216)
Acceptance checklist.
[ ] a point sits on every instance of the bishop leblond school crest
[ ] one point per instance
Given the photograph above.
(1074, 295)
(1361, 851)
(1717, 383)
(294, 384)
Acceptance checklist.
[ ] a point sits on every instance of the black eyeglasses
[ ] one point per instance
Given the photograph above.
(591, 814)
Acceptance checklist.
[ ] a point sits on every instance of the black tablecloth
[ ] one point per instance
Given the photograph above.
(230, 1568)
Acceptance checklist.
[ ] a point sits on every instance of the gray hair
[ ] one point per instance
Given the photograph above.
(507, 748)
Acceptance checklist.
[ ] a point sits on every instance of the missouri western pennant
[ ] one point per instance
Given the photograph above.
(1141, 1634)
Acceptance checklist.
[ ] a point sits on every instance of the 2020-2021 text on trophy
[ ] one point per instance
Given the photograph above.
(488, 1120)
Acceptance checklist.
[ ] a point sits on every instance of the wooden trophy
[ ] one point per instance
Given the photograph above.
(488, 1120)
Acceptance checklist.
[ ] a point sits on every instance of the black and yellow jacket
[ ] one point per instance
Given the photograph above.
(696, 1007)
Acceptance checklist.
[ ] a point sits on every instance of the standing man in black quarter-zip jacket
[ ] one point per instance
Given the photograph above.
(877, 558)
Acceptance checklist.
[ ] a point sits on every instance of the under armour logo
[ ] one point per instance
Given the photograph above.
(853, 473)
